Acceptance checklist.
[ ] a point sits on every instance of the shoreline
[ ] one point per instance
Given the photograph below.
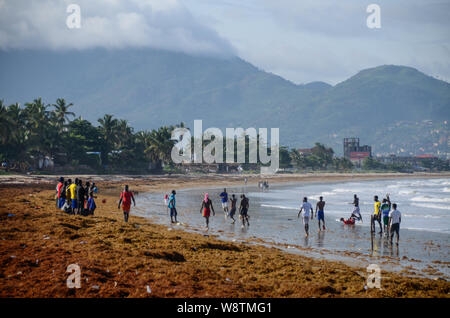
(122, 259)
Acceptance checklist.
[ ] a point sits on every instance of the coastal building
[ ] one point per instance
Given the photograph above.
(355, 152)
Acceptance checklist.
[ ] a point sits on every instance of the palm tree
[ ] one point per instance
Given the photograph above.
(62, 112)
(5, 123)
(160, 146)
(108, 131)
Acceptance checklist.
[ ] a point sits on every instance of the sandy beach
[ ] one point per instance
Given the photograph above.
(142, 259)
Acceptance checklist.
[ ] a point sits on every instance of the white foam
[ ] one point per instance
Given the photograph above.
(278, 207)
(432, 206)
(427, 198)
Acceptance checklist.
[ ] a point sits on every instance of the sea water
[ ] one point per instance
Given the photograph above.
(424, 231)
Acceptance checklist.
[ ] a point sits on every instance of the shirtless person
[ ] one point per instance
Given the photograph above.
(243, 210)
(356, 214)
(320, 212)
(233, 201)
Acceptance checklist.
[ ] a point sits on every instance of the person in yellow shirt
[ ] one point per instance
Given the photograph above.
(376, 215)
(73, 195)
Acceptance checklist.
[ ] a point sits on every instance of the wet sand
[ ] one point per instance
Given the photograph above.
(38, 242)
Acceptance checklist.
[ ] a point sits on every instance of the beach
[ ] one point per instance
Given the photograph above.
(145, 258)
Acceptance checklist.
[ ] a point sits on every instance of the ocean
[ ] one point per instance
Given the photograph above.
(424, 232)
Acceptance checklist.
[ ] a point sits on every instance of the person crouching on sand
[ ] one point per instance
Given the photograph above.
(206, 209)
(125, 199)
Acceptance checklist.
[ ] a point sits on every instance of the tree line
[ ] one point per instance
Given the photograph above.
(39, 130)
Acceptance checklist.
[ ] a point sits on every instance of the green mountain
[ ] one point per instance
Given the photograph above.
(151, 88)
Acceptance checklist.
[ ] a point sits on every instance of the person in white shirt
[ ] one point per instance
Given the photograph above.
(395, 217)
(309, 213)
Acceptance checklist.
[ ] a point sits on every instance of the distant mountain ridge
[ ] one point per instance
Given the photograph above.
(151, 88)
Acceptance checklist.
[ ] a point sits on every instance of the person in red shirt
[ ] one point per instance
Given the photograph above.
(350, 221)
(125, 199)
(58, 193)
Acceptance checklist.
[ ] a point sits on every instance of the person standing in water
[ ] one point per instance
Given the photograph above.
(376, 215)
(385, 209)
(243, 210)
(125, 199)
(224, 197)
(395, 217)
(206, 209)
(356, 213)
(233, 201)
(306, 206)
(320, 212)
(173, 210)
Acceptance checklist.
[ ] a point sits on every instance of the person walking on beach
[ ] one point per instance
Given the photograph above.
(307, 208)
(356, 213)
(171, 205)
(320, 212)
(233, 201)
(125, 199)
(224, 197)
(206, 208)
(376, 215)
(385, 209)
(395, 217)
(243, 210)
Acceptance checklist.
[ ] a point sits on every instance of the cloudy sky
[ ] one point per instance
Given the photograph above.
(301, 40)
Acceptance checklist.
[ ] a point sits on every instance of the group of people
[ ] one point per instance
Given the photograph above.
(76, 198)
(207, 207)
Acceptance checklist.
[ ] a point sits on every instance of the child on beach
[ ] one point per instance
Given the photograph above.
(206, 208)
(125, 199)
(91, 204)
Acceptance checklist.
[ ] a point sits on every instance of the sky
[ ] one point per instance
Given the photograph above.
(300, 40)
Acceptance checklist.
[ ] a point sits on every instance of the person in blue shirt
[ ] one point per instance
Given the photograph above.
(173, 210)
(91, 204)
(224, 196)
